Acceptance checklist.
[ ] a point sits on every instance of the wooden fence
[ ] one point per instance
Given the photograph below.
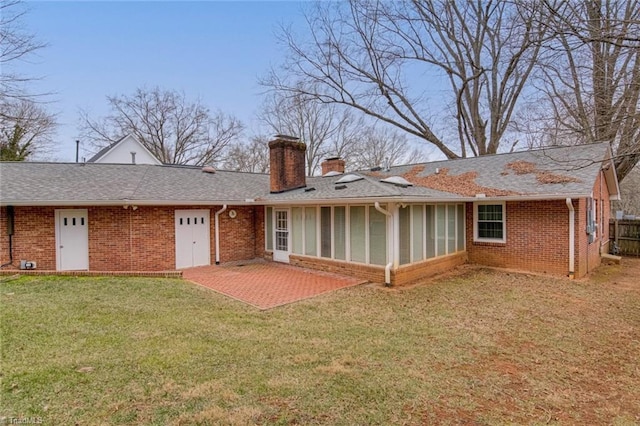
(627, 236)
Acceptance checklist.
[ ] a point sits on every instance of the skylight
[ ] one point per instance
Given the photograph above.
(349, 178)
(397, 180)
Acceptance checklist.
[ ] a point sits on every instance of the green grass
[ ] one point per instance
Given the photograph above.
(481, 348)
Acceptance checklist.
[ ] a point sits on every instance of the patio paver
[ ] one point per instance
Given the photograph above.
(266, 285)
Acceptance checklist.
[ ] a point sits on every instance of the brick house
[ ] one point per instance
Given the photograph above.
(544, 210)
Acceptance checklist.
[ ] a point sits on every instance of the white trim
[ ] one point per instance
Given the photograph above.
(504, 222)
(572, 232)
(285, 254)
(217, 230)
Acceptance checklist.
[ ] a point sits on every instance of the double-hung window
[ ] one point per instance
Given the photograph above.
(489, 220)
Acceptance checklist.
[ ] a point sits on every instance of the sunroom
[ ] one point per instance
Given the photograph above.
(390, 242)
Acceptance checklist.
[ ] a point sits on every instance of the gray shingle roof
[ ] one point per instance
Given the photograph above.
(548, 173)
(22, 183)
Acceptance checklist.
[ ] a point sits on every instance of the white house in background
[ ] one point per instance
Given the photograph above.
(128, 150)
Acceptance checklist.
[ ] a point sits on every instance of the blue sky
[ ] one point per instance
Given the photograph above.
(210, 50)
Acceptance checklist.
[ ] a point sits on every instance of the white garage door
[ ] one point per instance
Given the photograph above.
(192, 238)
(72, 239)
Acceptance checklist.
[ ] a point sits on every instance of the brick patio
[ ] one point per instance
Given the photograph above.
(266, 285)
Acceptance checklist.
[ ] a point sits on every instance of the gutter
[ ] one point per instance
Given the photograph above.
(127, 202)
(285, 202)
(217, 232)
(387, 269)
(572, 236)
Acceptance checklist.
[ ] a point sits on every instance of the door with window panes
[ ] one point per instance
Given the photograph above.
(281, 235)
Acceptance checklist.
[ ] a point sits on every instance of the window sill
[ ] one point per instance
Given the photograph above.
(488, 243)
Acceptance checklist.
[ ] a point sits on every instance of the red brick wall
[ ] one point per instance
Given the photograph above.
(537, 238)
(129, 240)
(259, 231)
(34, 236)
(110, 245)
(371, 273)
(237, 235)
(427, 268)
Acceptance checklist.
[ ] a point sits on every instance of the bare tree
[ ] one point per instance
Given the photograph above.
(174, 129)
(252, 156)
(364, 54)
(327, 130)
(383, 147)
(26, 130)
(629, 193)
(16, 44)
(592, 84)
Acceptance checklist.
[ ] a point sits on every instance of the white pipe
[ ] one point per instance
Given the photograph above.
(572, 226)
(217, 231)
(387, 269)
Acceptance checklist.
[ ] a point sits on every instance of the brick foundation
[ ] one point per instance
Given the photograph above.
(403, 275)
(408, 274)
(371, 273)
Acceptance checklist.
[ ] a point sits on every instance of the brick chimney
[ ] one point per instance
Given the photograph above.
(287, 163)
(333, 164)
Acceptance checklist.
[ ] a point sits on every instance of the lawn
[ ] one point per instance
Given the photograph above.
(482, 347)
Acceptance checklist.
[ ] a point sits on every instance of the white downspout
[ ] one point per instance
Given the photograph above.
(217, 230)
(572, 226)
(387, 269)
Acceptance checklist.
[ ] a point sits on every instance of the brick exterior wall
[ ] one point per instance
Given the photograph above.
(371, 273)
(287, 165)
(404, 275)
(130, 240)
(34, 236)
(537, 238)
(259, 232)
(407, 274)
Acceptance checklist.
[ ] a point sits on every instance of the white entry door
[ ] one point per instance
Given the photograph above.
(192, 238)
(281, 237)
(72, 239)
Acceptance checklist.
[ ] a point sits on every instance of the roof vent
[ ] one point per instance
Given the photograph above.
(309, 189)
(376, 169)
(208, 169)
(397, 180)
(349, 178)
(331, 173)
(341, 187)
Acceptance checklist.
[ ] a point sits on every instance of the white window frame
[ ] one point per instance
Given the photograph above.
(476, 238)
